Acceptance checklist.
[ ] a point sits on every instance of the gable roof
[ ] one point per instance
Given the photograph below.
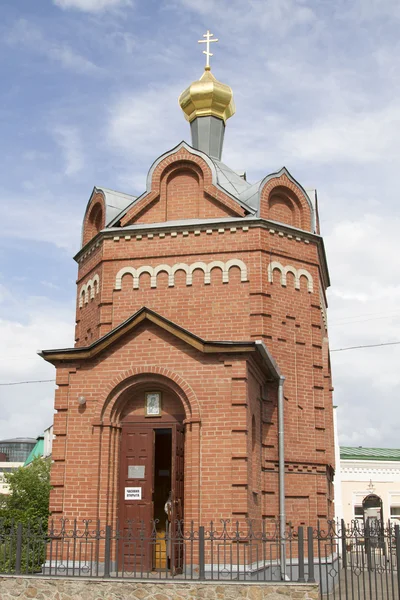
(251, 195)
(361, 453)
(205, 346)
(223, 177)
(114, 203)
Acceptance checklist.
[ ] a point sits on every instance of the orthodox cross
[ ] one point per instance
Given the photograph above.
(207, 52)
(371, 486)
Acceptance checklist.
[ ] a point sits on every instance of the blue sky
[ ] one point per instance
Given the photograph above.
(89, 97)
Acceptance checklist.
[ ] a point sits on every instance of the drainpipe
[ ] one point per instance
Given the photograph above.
(281, 449)
(274, 370)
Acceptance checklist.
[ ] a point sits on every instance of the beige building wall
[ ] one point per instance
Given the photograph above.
(359, 478)
(7, 467)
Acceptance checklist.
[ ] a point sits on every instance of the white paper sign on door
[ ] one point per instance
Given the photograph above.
(133, 493)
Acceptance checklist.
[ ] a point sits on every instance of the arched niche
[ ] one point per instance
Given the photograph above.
(285, 207)
(131, 407)
(94, 221)
(284, 201)
(182, 190)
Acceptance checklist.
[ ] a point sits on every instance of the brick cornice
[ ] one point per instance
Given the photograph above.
(204, 225)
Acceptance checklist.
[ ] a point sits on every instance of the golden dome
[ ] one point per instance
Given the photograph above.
(207, 97)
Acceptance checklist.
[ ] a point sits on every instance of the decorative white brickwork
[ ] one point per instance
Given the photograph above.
(89, 290)
(297, 273)
(188, 269)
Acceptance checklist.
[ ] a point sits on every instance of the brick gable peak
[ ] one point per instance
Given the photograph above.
(226, 181)
(101, 345)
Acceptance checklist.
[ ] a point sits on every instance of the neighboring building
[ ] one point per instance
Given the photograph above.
(17, 449)
(194, 302)
(43, 446)
(13, 453)
(369, 476)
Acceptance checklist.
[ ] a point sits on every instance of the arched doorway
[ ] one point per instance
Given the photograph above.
(151, 474)
(373, 524)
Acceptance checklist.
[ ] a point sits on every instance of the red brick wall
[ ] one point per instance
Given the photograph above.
(238, 476)
(78, 490)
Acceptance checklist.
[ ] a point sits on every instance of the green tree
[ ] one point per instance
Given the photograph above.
(28, 500)
(27, 504)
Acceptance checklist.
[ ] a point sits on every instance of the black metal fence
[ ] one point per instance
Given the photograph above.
(354, 562)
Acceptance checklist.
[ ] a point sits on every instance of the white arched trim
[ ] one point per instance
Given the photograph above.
(188, 269)
(235, 262)
(89, 290)
(121, 273)
(180, 267)
(297, 273)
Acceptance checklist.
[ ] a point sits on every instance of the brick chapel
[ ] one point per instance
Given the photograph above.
(201, 363)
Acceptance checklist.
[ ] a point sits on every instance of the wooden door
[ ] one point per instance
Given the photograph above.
(178, 463)
(136, 497)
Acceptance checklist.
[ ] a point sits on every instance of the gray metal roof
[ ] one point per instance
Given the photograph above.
(19, 441)
(115, 202)
(231, 181)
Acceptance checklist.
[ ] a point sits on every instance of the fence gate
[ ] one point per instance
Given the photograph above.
(359, 562)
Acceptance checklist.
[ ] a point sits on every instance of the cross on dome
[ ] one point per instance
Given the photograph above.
(207, 52)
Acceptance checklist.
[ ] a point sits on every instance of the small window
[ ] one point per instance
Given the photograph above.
(358, 512)
(395, 513)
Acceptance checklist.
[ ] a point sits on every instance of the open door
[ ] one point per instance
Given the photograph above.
(152, 465)
(136, 498)
(178, 464)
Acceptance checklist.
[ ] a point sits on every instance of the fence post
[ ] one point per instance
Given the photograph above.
(310, 555)
(300, 543)
(107, 552)
(202, 573)
(18, 554)
(344, 554)
(397, 541)
(344, 544)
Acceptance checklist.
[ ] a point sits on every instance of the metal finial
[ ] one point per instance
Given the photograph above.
(207, 52)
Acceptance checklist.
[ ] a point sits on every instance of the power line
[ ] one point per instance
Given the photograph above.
(354, 320)
(32, 381)
(334, 350)
(366, 346)
(373, 314)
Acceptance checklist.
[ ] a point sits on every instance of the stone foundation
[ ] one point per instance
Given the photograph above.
(54, 588)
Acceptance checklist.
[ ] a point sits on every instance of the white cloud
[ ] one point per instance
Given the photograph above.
(357, 137)
(141, 127)
(367, 10)
(139, 121)
(69, 140)
(71, 60)
(26, 410)
(25, 33)
(277, 15)
(43, 218)
(364, 309)
(92, 6)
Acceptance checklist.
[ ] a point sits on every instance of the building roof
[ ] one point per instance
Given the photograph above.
(19, 441)
(144, 313)
(37, 450)
(361, 453)
(231, 181)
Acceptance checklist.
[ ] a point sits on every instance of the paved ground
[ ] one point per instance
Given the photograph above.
(364, 585)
